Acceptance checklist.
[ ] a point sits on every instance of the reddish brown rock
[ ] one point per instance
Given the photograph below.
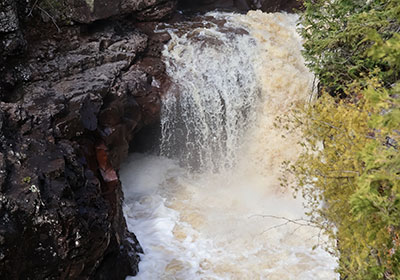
(66, 121)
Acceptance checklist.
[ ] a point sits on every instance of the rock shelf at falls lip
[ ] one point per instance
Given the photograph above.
(198, 213)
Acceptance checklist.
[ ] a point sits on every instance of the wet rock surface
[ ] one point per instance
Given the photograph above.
(11, 38)
(72, 97)
(87, 11)
(241, 5)
(70, 105)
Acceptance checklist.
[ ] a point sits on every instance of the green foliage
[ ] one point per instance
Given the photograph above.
(26, 180)
(349, 171)
(345, 39)
(349, 174)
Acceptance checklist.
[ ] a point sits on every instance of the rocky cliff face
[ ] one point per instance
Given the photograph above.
(78, 79)
(71, 101)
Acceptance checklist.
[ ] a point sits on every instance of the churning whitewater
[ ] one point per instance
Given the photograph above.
(210, 207)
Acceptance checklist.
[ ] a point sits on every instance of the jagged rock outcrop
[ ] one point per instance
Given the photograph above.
(14, 14)
(11, 39)
(87, 11)
(69, 108)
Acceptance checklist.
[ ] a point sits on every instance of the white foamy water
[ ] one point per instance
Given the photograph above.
(214, 208)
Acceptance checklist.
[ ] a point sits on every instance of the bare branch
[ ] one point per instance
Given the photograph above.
(300, 222)
(52, 18)
(33, 7)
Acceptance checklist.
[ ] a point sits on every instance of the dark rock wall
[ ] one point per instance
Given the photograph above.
(78, 79)
(70, 103)
(87, 11)
(11, 39)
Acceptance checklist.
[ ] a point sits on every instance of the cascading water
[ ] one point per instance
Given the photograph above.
(212, 102)
(211, 207)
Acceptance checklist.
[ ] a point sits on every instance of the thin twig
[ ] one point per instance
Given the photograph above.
(33, 7)
(288, 221)
(313, 89)
(294, 231)
(52, 18)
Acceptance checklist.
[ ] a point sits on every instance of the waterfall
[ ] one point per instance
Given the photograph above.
(213, 99)
(210, 207)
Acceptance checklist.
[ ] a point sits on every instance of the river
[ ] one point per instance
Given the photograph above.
(210, 206)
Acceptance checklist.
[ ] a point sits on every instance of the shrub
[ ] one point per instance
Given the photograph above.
(349, 171)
